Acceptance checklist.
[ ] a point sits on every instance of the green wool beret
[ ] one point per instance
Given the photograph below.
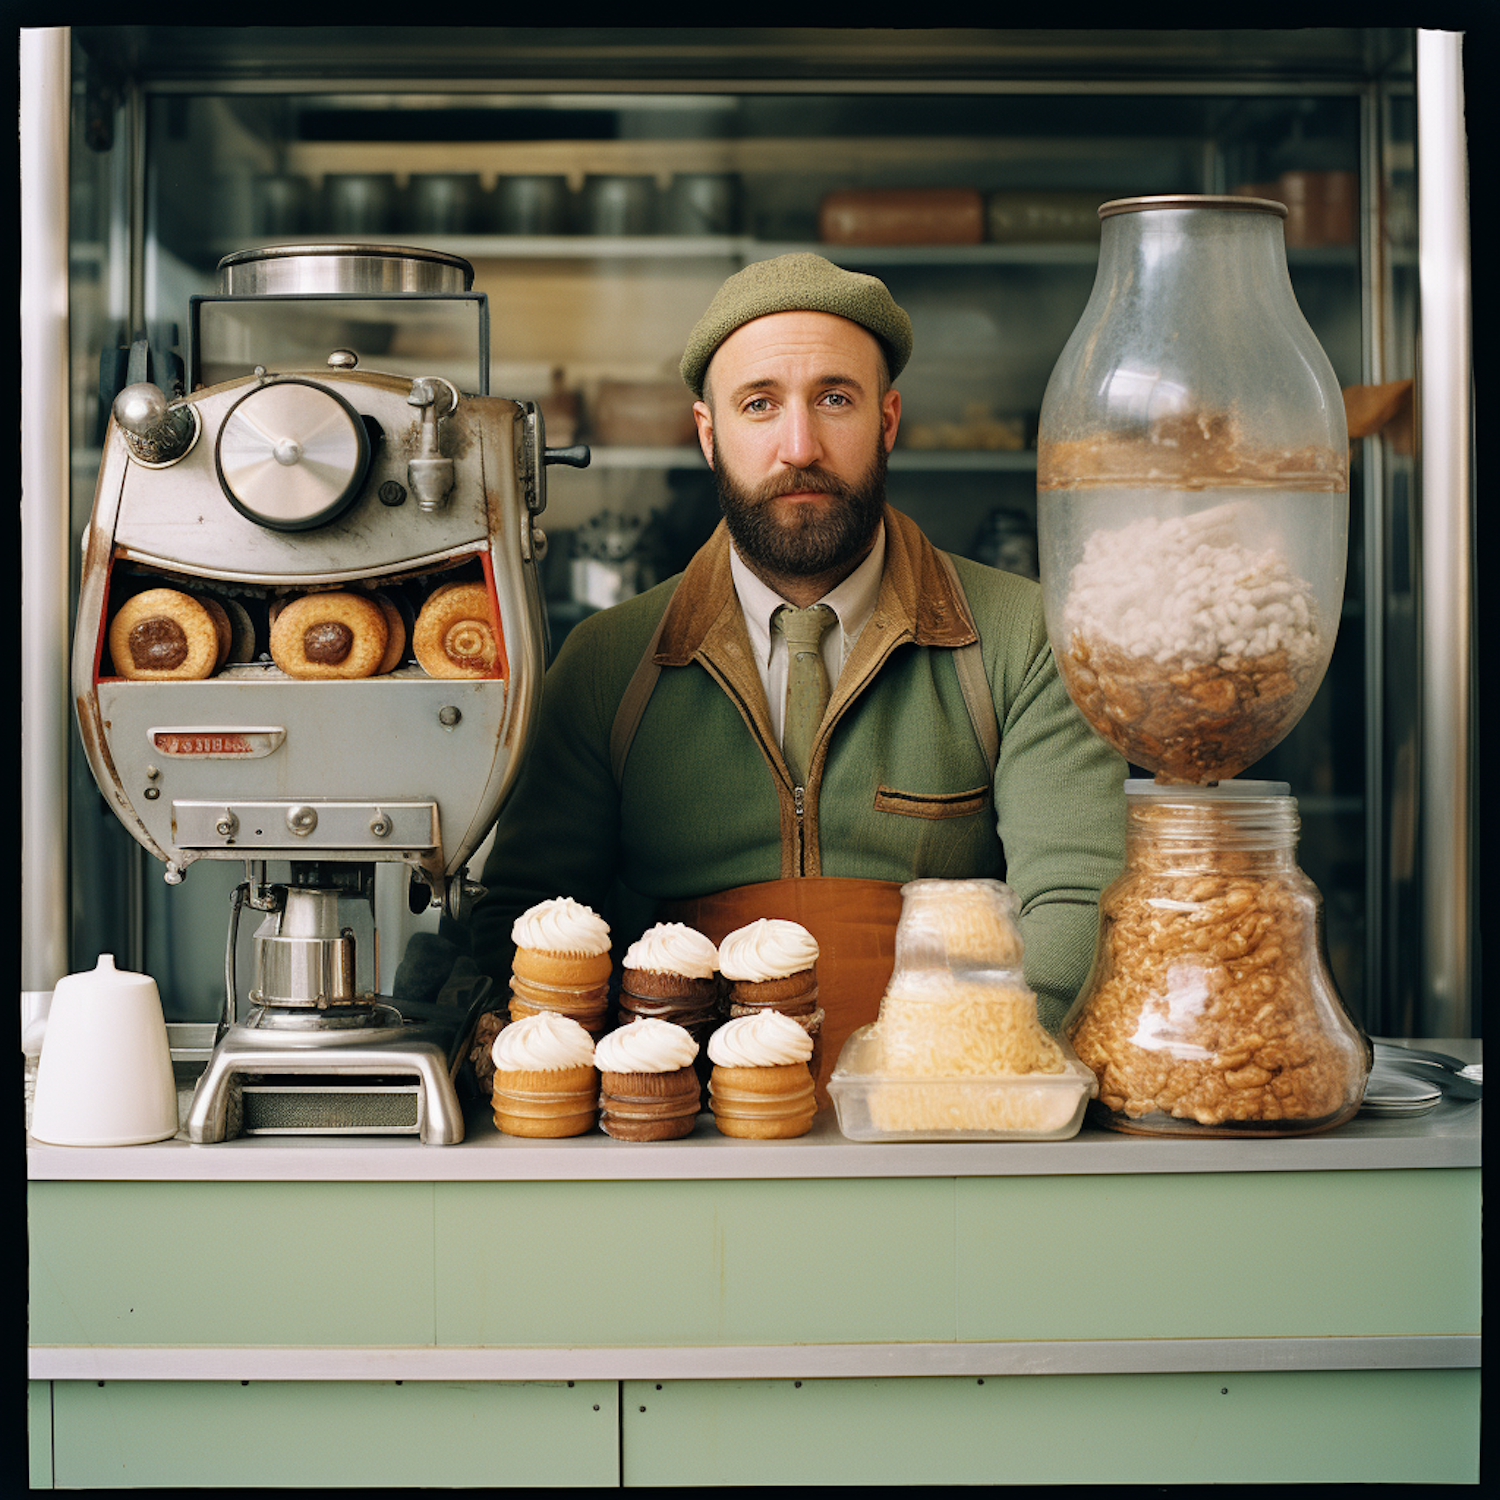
(797, 283)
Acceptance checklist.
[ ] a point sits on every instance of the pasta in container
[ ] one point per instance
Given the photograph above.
(958, 1051)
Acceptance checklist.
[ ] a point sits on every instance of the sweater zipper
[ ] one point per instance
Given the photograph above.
(797, 795)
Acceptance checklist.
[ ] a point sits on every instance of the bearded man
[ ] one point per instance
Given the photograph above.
(822, 706)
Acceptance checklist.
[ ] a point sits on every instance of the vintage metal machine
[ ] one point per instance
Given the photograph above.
(291, 474)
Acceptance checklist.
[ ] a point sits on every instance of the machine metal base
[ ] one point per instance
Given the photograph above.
(375, 1080)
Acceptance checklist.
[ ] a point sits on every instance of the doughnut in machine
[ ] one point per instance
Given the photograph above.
(310, 637)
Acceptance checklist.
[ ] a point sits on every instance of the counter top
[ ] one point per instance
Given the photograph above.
(1449, 1136)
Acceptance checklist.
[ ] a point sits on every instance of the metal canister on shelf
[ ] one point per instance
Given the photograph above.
(530, 204)
(359, 202)
(442, 202)
(619, 205)
(702, 203)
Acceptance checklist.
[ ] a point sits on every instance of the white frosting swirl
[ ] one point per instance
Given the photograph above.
(766, 1040)
(645, 1046)
(561, 925)
(767, 949)
(673, 948)
(543, 1043)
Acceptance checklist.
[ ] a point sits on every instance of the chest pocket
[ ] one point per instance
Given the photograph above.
(932, 804)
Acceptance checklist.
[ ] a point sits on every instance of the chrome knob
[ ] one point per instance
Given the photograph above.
(342, 359)
(302, 820)
(156, 432)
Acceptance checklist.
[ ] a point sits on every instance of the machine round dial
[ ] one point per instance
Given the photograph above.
(292, 455)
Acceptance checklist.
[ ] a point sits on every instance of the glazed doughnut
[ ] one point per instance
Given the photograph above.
(395, 640)
(222, 628)
(332, 634)
(457, 634)
(163, 635)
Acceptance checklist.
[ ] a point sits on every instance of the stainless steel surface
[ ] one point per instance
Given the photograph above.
(292, 455)
(302, 830)
(1445, 403)
(1434, 1351)
(420, 1050)
(154, 516)
(45, 82)
(303, 971)
(369, 269)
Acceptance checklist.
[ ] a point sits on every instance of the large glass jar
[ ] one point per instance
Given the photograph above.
(1210, 1009)
(1192, 479)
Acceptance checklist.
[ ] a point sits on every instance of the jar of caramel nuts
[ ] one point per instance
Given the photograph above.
(1210, 1009)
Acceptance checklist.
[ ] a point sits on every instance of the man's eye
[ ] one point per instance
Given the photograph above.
(758, 404)
(836, 398)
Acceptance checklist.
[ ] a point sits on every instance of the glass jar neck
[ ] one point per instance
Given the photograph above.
(1199, 827)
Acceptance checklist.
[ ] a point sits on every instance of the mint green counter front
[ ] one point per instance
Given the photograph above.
(1110, 1309)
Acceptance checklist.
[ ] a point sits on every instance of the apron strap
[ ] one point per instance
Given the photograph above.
(968, 661)
(633, 704)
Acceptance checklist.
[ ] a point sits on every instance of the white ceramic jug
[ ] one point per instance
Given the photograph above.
(105, 1074)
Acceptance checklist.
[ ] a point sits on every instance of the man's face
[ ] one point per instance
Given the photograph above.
(797, 429)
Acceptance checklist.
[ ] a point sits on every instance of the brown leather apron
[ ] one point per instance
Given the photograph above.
(854, 922)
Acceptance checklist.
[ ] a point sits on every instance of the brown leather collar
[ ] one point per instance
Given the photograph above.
(914, 591)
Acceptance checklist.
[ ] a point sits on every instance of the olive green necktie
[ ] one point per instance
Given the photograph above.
(807, 689)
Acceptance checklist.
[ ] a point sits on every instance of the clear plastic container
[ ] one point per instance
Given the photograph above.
(1193, 506)
(958, 1052)
(872, 1105)
(1210, 1009)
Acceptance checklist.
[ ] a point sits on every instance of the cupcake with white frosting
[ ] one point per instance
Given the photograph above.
(671, 973)
(771, 965)
(562, 963)
(648, 1089)
(545, 1084)
(762, 1084)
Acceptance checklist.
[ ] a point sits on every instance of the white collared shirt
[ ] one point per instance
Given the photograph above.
(853, 601)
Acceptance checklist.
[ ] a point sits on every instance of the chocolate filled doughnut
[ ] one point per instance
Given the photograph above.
(457, 634)
(163, 635)
(395, 640)
(329, 635)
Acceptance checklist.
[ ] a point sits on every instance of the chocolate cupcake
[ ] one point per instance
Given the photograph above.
(648, 1088)
(671, 973)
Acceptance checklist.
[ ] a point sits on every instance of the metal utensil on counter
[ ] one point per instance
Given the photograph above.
(604, 569)
(1411, 1081)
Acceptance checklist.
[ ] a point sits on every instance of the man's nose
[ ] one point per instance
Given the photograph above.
(799, 446)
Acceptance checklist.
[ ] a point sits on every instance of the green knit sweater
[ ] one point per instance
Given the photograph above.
(898, 786)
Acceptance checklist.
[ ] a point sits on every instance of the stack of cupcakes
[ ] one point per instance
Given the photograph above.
(762, 1086)
(672, 974)
(771, 965)
(562, 964)
(648, 1088)
(545, 1084)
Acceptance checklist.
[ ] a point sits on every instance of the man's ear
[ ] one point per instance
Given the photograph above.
(890, 417)
(703, 417)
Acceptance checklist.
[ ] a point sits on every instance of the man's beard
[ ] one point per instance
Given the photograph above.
(820, 539)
